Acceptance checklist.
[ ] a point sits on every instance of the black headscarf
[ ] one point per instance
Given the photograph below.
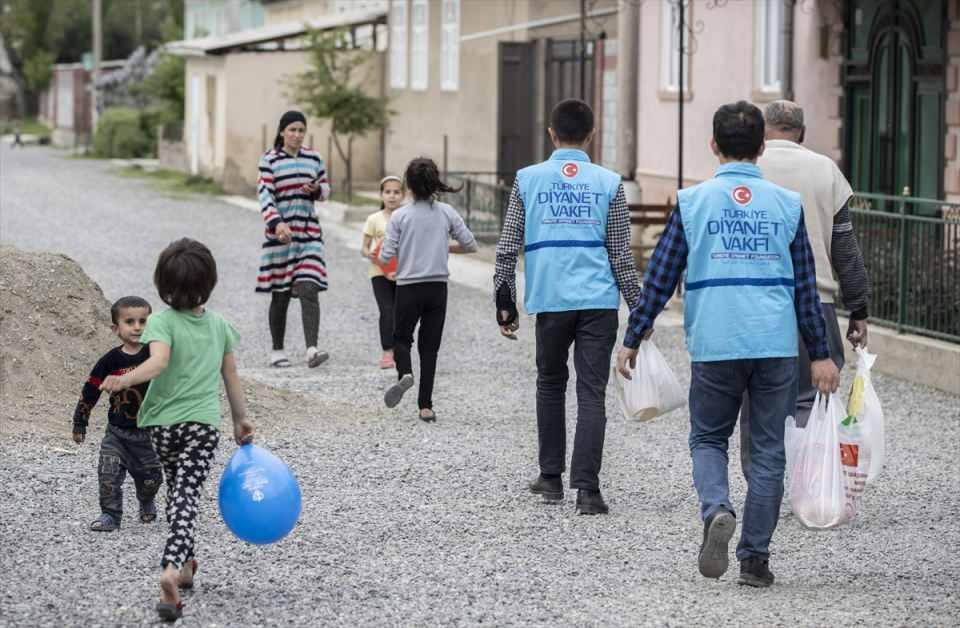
(286, 120)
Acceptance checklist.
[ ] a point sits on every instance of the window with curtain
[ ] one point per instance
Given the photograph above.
(398, 44)
(670, 45)
(419, 44)
(450, 52)
(770, 44)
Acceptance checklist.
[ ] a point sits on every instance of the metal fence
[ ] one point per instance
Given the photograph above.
(482, 200)
(911, 248)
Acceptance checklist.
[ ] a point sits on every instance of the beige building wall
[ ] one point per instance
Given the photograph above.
(469, 115)
(231, 119)
(724, 68)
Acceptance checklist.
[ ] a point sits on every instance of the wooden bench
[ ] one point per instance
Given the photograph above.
(650, 219)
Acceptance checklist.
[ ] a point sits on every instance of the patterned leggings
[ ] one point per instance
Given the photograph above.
(186, 452)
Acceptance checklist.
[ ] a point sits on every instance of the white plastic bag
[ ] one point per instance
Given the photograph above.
(817, 487)
(653, 389)
(864, 410)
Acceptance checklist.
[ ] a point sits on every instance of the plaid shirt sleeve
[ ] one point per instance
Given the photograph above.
(663, 274)
(806, 300)
(508, 247)
(618, 249)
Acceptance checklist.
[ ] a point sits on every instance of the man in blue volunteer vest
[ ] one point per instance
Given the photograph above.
(751, 284)
(571, 218)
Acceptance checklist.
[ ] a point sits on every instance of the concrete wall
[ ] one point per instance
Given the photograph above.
(723, 69)
(468, 116)
(231, 120)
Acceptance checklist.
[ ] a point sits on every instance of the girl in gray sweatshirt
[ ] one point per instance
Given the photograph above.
(419, 236)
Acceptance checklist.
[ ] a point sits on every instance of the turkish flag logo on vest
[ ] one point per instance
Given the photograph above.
(741, 195)
(570, 170)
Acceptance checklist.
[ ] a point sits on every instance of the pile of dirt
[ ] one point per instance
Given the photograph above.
(54, 326)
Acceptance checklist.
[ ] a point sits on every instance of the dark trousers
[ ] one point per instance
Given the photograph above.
(187, 451)
(308, 293)
(593, 334)
(125, 451)
(425, 303)
(806, 391)
(385, 292)
(716, 394)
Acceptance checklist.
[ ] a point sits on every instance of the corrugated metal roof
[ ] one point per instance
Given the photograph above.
(272, 33)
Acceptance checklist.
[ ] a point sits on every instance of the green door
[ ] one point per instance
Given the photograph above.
(895, 86)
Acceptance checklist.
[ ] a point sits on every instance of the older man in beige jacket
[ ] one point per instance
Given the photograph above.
(825, 193)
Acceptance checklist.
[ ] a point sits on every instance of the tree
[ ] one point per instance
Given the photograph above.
(332, 89)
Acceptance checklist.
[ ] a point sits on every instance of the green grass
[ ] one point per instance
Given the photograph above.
(174, 182)
(28, 127)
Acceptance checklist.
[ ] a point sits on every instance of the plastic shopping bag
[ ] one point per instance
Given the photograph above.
(653, 390)
(817, 487)
(864, 411)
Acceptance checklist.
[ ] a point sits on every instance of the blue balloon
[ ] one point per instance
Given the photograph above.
(259, 496)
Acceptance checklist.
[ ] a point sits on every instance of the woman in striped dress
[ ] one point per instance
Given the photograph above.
(291, 264)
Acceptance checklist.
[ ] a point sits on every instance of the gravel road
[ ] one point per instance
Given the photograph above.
(411, 524)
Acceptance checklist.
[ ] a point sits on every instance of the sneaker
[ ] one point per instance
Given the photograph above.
(148, 511)
(718, 528)
(395, 393)
(591, 503)
(105, 523)
(551, 489)
(755, 572)
(316, 358)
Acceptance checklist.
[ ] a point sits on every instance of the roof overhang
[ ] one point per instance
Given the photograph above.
(275, 33)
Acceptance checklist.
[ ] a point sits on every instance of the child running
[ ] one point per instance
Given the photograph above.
(419, 236)
(190, 348)
(382, 277)
(125, 448)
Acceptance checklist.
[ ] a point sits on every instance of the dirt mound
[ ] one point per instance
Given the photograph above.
(54, 325)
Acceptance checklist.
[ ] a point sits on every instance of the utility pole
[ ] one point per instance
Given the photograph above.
(583, 49)
(97, 56)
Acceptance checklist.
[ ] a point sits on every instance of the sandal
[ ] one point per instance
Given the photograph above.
(280, 363)
(169, 611)
(318, 358)
(428, 419)
(105, 523)
(148, 511)
(196, 567)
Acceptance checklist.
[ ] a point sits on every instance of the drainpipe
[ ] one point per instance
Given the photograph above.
(628, 57)
(789, 6)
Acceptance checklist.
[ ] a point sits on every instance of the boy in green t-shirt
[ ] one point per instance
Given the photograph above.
(191, 347)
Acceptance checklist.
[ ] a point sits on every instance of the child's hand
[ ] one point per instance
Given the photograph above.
(392, 276)
(242, 431)
(114, 383)
(79, 437)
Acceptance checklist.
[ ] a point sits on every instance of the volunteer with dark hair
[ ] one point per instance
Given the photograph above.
(292, 264)
(571, 218)
(751, 283)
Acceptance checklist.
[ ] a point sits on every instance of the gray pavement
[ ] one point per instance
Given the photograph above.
(411, 524)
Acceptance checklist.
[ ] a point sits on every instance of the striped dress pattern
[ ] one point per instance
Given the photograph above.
(282, 199)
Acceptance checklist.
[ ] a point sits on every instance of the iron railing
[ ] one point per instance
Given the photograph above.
(911, 249)
(482, 200)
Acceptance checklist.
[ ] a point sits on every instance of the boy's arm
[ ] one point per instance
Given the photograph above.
(89, 396)
(806, 301)
(618, 249)
(242, 428)
(663, 274)
(150, 369)
(508, 248)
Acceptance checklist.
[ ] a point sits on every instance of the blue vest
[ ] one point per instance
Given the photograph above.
(739, 302)
(567, 200)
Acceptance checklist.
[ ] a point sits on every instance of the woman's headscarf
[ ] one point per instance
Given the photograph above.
(286, 120)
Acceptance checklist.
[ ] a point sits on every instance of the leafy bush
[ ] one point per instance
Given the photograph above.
(124, 133)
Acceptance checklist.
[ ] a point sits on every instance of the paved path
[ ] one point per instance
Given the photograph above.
(413, 524)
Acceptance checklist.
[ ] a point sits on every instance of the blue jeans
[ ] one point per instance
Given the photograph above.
(716, 392)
